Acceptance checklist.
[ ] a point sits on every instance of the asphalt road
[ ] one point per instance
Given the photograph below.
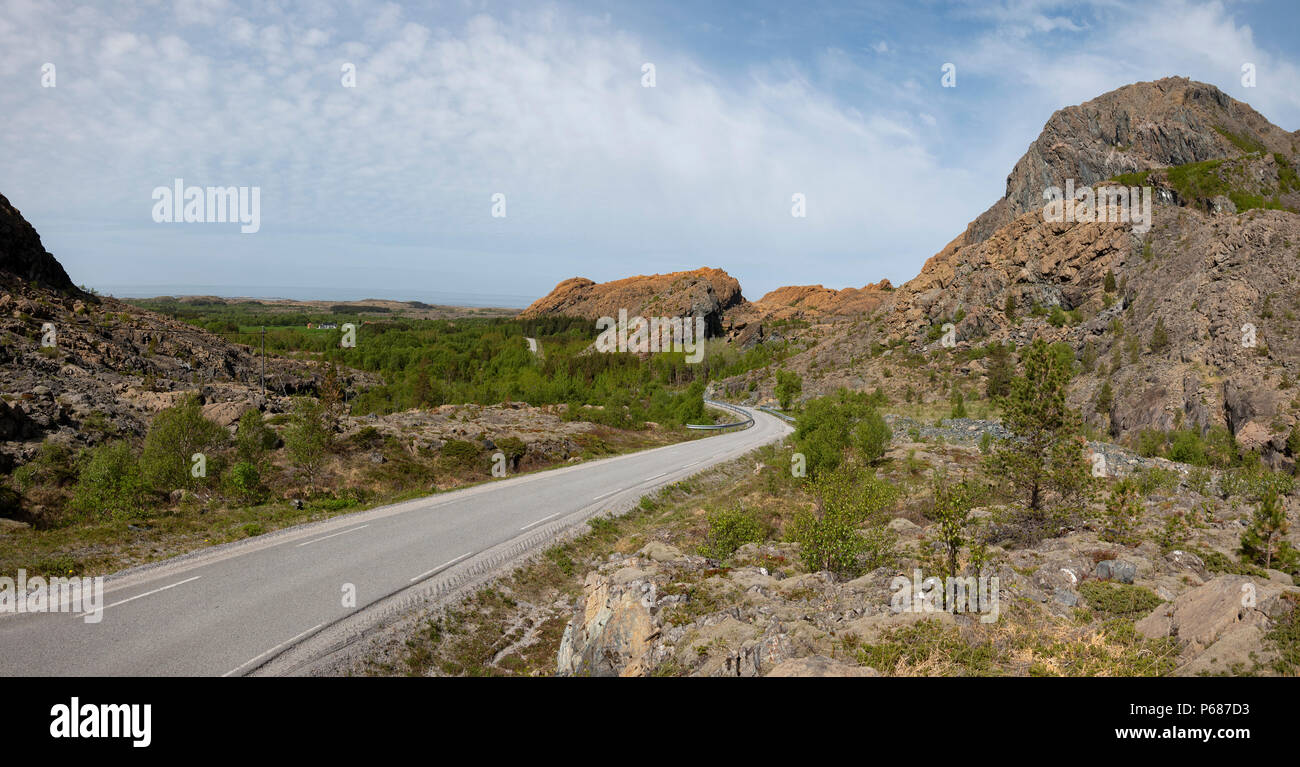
(229, 610)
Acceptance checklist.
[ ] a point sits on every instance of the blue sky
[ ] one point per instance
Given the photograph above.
(386, 189)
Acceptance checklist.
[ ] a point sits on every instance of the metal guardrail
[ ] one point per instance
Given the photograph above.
(749, 419)
(777, 413)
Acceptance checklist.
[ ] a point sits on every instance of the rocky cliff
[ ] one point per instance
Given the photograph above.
(22, 256)
(1195, 324)
(709, 293)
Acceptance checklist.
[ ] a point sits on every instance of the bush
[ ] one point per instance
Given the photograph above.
(831, 425)
(829, 539)
(308, 437)
(111, 484)
(53, 466)
(460, 454)
(788, 386)
(253, 438)
(177, 434)
(245, 482)
(729, 529)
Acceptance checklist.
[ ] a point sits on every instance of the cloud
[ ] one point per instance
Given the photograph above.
(389, 184)
(603, 177)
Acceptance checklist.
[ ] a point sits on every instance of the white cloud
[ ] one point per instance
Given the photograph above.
(603, 177)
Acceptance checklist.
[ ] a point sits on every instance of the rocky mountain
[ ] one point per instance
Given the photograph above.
(1196, 324)
(1160, 124)
(83, 368)
(22, 255)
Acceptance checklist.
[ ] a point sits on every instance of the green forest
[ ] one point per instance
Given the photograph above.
(427, 363)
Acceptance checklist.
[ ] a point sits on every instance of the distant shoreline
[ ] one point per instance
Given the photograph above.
(312, 294)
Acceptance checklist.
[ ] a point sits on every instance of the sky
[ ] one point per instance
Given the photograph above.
(384, 137)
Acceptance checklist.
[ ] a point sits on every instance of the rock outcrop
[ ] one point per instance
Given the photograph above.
(709, 293)
(22, 255)
(815, 301)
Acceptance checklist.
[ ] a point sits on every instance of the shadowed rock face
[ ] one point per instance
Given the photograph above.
(707, 293)
(23, 256)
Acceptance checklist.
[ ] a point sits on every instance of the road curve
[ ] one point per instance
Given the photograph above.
(230, 609)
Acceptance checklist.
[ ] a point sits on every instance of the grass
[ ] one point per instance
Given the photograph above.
(1119, 599)
(1022, 645)
(99, 547)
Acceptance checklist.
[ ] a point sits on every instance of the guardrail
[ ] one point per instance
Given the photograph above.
(777, 413)
(749, 419)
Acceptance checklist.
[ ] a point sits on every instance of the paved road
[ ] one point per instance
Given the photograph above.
(228, 610)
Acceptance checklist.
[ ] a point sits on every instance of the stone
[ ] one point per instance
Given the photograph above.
(819, 666)
(1119, 570)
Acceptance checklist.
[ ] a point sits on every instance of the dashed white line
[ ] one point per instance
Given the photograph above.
(424, 575)
(273, 649)
(331, 535)
(657, 476)
(540, 521)
(611, 492)
(146, 594)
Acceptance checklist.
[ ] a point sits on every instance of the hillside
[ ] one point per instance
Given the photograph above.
(1168, 335)
(107, 366)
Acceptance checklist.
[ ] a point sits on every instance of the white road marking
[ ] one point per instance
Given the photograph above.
(145, 594)
(540, 521)
(424, 575)
(331, 535)
(657, 476)
(273, 649)
(611, 492)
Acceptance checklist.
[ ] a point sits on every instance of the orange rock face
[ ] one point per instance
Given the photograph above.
(709, 293)
(815, 300)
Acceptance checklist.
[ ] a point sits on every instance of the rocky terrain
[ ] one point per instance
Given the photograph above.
(815, 301)
(81, 368)
(645, 595)
(1191, 324)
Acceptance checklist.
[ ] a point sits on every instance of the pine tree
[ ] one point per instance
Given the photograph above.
(1262, 542)
(1045, 453)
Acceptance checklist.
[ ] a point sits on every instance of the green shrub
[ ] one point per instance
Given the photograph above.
(460, 454)
(175, 436)
(244, 481)
(308, 437)
(253, 438)
(830, 539)
(110, 484)
(830, 425)
(788, 387)
(729, 529)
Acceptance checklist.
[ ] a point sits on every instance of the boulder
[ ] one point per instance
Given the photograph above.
(819, 666)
